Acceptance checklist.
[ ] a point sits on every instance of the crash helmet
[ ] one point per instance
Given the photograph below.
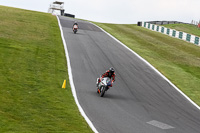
(111, 71)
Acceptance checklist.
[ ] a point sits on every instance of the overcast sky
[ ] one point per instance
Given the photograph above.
(120, 11)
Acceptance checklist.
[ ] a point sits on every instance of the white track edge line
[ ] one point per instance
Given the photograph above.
(151, 67)
(72, 82)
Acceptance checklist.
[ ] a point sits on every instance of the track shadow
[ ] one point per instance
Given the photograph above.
(78, 33)
(108, 95)
(113, 96)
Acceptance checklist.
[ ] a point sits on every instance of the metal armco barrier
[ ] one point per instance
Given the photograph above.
(69, 15)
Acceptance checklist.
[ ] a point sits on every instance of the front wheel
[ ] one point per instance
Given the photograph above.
(103, 89)
(75, 30)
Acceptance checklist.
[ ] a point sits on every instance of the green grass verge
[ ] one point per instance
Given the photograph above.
(33, 67)
(178, 60)
(191, 29)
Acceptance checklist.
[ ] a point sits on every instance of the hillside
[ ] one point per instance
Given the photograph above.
(191, 29)
(178, 60)
(33, 67)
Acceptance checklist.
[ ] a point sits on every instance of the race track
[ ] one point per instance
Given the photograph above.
(140, 101)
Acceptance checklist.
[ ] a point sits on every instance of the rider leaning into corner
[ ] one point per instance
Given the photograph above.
(109, 73)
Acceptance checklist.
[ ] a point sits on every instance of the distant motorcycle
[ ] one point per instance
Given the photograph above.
(75, 29)
(104, 85)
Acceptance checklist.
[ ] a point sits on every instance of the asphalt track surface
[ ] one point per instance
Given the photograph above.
(140, 101)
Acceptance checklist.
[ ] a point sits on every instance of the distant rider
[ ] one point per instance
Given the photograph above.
(109, 73)
(75, 25)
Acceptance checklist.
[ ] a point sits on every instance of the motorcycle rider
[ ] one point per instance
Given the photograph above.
(109, 73)
(75, 25)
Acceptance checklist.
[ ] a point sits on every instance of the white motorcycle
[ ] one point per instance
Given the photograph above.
(75, 29)
(104, 85)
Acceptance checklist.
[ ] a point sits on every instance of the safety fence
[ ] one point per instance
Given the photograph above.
(167, 22)
(69, 15)
(173, 33)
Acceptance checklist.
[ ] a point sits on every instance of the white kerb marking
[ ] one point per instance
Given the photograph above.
(151, 67)
(160, 125)
(72, 82)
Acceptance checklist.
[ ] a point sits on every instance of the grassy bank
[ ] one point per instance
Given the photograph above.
(178, 60)
(191, 29)
(33, 67)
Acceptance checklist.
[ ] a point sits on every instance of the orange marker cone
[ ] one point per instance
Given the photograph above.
(64, 84)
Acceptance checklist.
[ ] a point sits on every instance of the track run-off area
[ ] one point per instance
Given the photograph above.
(140, 101)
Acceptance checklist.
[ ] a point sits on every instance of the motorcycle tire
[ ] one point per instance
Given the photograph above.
(102, 91)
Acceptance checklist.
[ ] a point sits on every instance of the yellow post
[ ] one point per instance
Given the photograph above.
(64, 84)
